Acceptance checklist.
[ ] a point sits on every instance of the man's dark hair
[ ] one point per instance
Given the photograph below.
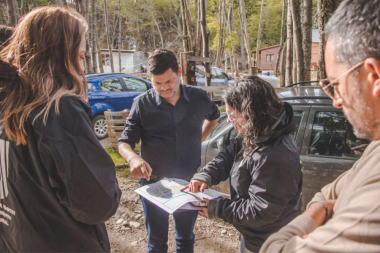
(355, 30)
(5, 35)
(258, 103)
(161, 60)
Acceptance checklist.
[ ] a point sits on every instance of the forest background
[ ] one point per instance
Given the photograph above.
(233, 29)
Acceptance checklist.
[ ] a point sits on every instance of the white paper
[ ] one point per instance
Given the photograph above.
(167, 195)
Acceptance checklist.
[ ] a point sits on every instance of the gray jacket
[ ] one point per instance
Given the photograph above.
(265, 185)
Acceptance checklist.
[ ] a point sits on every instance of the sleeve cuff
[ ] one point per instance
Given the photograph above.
(213, 209)
(204, 177)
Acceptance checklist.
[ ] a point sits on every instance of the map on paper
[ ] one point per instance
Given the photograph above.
(167, 195)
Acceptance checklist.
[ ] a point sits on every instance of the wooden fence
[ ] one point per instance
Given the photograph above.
(115, 125)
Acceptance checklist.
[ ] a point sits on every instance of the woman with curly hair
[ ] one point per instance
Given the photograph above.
(57, 184)
(262, 164)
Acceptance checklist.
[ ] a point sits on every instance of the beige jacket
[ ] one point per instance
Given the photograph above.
(355, 223)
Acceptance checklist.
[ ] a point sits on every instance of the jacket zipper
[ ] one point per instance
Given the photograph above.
(98, 236)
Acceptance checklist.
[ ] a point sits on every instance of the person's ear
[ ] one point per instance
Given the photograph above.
(179, 71)
(372, 66)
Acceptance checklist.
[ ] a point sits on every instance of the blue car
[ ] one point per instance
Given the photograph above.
(113, 92)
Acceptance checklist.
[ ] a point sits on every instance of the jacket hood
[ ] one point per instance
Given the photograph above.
(285, 124)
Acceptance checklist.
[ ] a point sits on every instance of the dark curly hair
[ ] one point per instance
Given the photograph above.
(258, 103)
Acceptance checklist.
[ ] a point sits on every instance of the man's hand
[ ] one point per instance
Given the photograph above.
(140, 168)
(317, 211)
(195, 186)
(204, 210)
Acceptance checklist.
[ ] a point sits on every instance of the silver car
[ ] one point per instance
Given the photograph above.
(325, 140)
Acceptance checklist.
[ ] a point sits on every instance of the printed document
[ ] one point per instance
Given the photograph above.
(167, 195)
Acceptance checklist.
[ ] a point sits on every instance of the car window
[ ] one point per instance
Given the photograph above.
(111, 85)
(219, 127)
(213, 73)
(134, 84)
(298, 117)
(220, 74)
(332, 135)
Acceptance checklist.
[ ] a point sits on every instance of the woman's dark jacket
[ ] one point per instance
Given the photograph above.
(59, 189)
(265, 186)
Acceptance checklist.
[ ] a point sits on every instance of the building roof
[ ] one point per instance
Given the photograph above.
(265, 48)
(117, 50)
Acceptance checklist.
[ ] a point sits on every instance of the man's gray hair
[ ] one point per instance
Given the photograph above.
(355, 30)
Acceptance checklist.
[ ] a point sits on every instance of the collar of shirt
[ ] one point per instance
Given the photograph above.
(159, 99)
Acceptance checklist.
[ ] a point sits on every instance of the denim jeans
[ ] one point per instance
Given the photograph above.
(157, 226)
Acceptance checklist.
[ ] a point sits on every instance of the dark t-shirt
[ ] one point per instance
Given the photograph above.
(170, 135)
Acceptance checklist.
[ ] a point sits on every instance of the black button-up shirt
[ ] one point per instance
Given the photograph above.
(170, 135)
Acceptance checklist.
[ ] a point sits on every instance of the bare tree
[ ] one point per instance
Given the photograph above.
(243, 23)
(306, 37)
(148, 7)
(205, 36)
(93, 36)
(322, 19)
(108, 36)
(220, 49)
(12, 12)
(289, 48)
(119, 41)
(280, 57)
(24, 7)
(297, 39)
(230, 53)
(258, 46)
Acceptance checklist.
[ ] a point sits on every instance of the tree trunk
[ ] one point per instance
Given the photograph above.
(205, 37)
(283, 66)
(289, 48)
(322, 19)
(258, 46)
(93, 36)
(108, 36)
(297, 39)
(119, 41)
(186, 40)
(243, 23)
(282, 40)
(230, 53)
(155, 21)
(12, 16)
(295, 65)
(179, 26)
(24, 7)
(306, 39)
(3, 15)
(198, 36)
(220, 50)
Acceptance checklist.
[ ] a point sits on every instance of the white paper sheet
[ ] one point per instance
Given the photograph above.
(167, 195)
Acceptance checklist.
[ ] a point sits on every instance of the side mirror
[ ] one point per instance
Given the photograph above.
(220, 144)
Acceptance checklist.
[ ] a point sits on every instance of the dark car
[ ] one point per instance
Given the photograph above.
(325, 139)
(113, 92)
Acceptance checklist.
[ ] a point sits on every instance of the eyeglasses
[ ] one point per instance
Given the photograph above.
(329, 87)
(232, 119)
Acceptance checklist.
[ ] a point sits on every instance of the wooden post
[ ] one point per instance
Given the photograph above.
(253, 71)
(237, 69)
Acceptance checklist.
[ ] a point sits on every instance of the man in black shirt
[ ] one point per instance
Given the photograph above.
(171, 120)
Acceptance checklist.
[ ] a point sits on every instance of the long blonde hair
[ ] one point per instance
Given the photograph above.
(40, 66)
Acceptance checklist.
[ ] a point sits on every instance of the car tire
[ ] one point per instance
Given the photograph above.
(99, 126)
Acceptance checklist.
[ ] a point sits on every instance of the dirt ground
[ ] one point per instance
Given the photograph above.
(127, 232)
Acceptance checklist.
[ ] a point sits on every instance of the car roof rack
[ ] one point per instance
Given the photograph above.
(301, 83)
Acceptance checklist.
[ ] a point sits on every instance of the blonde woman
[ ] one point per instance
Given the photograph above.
(57, 184)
